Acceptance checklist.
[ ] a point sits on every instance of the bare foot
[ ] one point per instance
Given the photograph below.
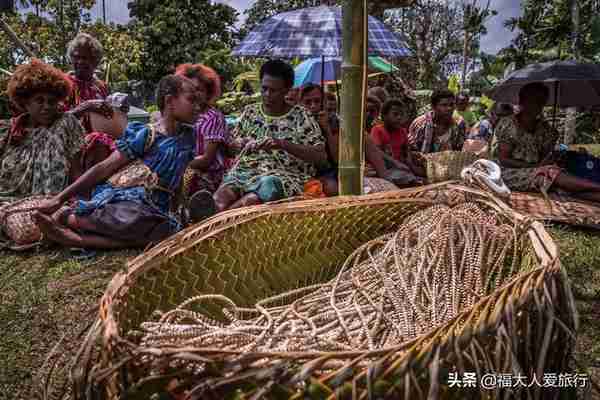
(55, 232)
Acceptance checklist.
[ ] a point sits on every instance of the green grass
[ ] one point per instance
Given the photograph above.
(44, 295)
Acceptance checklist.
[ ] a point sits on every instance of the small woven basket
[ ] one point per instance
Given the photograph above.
(378, 185)
(447, 165)
(16, 222)
(525, 325)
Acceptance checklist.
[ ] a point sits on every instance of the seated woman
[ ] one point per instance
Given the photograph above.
(212, 134)
(523, 145)
(132, 208)
(280, 146)
(40, 149)
(85, 53)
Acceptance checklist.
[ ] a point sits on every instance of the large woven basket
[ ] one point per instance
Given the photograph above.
(526, 325)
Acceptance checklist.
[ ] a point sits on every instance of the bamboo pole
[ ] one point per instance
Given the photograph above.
(352, 104)
(13, 36)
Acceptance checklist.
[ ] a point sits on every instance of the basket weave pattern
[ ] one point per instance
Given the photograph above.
(447, 165)
(256, 252)
(16, 220)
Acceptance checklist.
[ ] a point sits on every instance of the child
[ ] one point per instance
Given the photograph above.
(392, 136)
(132, 209)
(212, 134)
(39, 149)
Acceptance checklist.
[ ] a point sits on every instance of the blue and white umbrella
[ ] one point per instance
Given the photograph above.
(320, 69)
(315, 32)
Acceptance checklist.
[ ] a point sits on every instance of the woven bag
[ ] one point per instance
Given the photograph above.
(137, 173)
(447, 165)
(527, 322)
(16, 222)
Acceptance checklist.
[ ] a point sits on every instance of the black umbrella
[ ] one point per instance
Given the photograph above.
(571, 83)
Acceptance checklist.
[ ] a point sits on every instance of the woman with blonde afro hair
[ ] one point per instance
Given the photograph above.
(40, 148)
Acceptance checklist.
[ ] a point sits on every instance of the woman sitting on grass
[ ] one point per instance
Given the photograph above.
(132, 209)
(523, 144)
(40, 149)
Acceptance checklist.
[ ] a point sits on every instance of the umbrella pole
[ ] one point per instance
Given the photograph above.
(322, 83)
(555, 104)
(337, 95)
(353, 91)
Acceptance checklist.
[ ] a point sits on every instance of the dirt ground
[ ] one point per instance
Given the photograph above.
(46, 294)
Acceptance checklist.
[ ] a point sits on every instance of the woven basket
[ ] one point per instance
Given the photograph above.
(447, 165)
(378, 185)
(17, 223)
(526, 324)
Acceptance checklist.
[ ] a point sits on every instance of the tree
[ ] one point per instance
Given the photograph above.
(474, 18)
(122, 50)
(546, 32)
(434, 30)
(175, 31)
(227, 66)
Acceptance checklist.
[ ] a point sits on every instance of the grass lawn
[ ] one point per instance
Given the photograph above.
(43, 295)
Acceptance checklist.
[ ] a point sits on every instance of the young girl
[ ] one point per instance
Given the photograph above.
(212, 135)
(132, 209)
(39, 149)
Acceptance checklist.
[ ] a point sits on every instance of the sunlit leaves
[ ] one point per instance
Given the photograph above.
(176, 31)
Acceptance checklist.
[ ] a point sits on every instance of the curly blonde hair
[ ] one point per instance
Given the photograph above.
(36, 77)
(86, 41)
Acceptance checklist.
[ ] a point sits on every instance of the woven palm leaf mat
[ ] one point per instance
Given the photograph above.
(556, 207)
(259, 252)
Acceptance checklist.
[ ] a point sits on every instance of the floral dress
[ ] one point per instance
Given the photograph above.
(528, 147)
(286, 171)
(37, 161)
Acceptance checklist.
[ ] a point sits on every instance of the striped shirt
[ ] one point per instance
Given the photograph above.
(211, 127)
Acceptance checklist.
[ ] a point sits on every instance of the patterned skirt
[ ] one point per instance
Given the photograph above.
(538, 179)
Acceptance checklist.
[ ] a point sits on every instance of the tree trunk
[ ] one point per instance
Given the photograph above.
(353, 91)
(571, 122)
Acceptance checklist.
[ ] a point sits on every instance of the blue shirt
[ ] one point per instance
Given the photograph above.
(168, 157)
